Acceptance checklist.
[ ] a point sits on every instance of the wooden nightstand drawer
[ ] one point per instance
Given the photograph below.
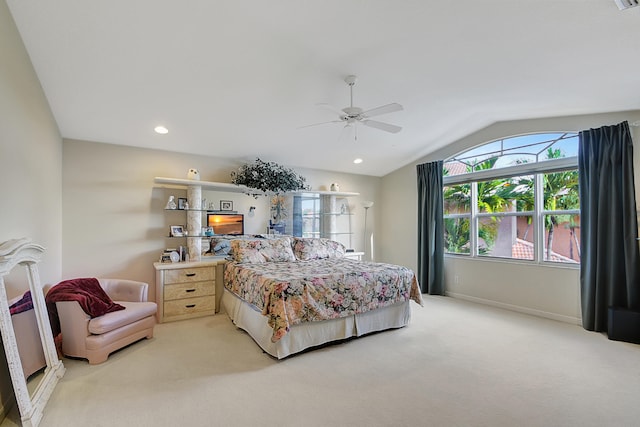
(188, 306)
(188, 275)
(189, 290)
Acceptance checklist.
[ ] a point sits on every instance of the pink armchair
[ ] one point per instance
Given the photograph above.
(94, 339)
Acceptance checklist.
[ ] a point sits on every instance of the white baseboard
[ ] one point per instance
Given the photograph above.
(517, 308)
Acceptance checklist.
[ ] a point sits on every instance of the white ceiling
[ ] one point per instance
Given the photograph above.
(238, 78)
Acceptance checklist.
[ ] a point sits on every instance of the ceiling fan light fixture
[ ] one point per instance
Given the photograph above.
(351, 80)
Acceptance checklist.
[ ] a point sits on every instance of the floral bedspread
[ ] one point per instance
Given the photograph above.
(289, 293)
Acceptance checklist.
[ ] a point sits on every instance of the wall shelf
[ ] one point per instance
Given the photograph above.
(207, 185)
(326, 193)
(232, 188)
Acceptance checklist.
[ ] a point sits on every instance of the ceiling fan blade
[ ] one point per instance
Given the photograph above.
(331, 108)
(385, 109)
(382, 126)
(318, 124)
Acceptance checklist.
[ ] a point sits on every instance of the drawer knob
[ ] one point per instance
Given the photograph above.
(190, 274)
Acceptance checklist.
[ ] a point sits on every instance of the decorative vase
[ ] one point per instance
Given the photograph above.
(335, 187)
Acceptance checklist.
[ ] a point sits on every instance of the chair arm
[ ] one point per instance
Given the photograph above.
(74, 325)
(125, 290)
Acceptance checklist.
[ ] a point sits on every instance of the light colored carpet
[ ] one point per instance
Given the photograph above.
(456, 364)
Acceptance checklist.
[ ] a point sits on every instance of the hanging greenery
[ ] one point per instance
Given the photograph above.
(268, 177)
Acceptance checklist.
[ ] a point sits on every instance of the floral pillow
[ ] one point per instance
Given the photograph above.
(309, 248)
(257, 251)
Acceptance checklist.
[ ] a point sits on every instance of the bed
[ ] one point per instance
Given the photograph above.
(292, 294)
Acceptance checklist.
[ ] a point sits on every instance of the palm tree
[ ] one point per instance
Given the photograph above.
(560, 191)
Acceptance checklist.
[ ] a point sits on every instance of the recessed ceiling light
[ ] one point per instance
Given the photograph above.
(161, 130)
(357, 161)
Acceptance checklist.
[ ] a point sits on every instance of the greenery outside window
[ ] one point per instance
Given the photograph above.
(456, 235)
(516, 199)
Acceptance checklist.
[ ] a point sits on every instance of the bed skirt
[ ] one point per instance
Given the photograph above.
(311, 334)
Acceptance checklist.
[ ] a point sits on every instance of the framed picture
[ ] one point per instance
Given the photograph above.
(226, 205)
(182, 203)
(176, 231)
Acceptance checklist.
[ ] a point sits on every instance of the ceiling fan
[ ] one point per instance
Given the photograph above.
(352, 115)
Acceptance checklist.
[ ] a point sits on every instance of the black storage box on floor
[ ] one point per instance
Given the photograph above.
(624, 325)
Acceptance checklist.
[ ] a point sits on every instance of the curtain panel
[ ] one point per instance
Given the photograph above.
(430, 228)
(609, 266)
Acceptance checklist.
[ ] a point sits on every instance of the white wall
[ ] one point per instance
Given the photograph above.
(30, 162)
(114, 222)
(544, 290)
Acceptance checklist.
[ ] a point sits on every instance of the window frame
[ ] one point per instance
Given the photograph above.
(537, 169)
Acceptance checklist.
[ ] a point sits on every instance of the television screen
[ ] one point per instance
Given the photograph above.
(226, 223)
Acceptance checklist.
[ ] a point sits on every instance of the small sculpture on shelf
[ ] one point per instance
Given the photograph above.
(193, 174)
(171, 203)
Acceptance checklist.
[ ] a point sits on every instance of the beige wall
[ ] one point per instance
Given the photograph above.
(30, 162)
(114, 222)
(543, 290)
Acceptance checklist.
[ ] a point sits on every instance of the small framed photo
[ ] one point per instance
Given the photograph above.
(226, 205)
(176, 231)
(182, 203)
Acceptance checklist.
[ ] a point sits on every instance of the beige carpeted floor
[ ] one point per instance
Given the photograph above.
(456, 364)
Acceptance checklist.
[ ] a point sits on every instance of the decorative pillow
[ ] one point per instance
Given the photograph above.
(220, 246)
(311, 248)
(250, 251)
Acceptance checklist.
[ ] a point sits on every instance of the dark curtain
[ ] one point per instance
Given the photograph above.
(430, 229)
(609, 264)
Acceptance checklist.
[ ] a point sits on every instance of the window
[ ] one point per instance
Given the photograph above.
(306, 211)
(457, 219)
(515, 198)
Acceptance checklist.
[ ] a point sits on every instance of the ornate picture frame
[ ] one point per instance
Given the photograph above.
(21, 252)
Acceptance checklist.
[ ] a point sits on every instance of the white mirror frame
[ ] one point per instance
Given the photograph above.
(23, 252)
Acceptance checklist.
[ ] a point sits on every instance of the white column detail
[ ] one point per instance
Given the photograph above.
(194, 222)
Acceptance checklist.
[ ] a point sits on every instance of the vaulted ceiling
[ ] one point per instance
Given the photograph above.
(240, 78)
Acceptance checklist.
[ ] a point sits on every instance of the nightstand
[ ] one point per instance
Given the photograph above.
(185, 290)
